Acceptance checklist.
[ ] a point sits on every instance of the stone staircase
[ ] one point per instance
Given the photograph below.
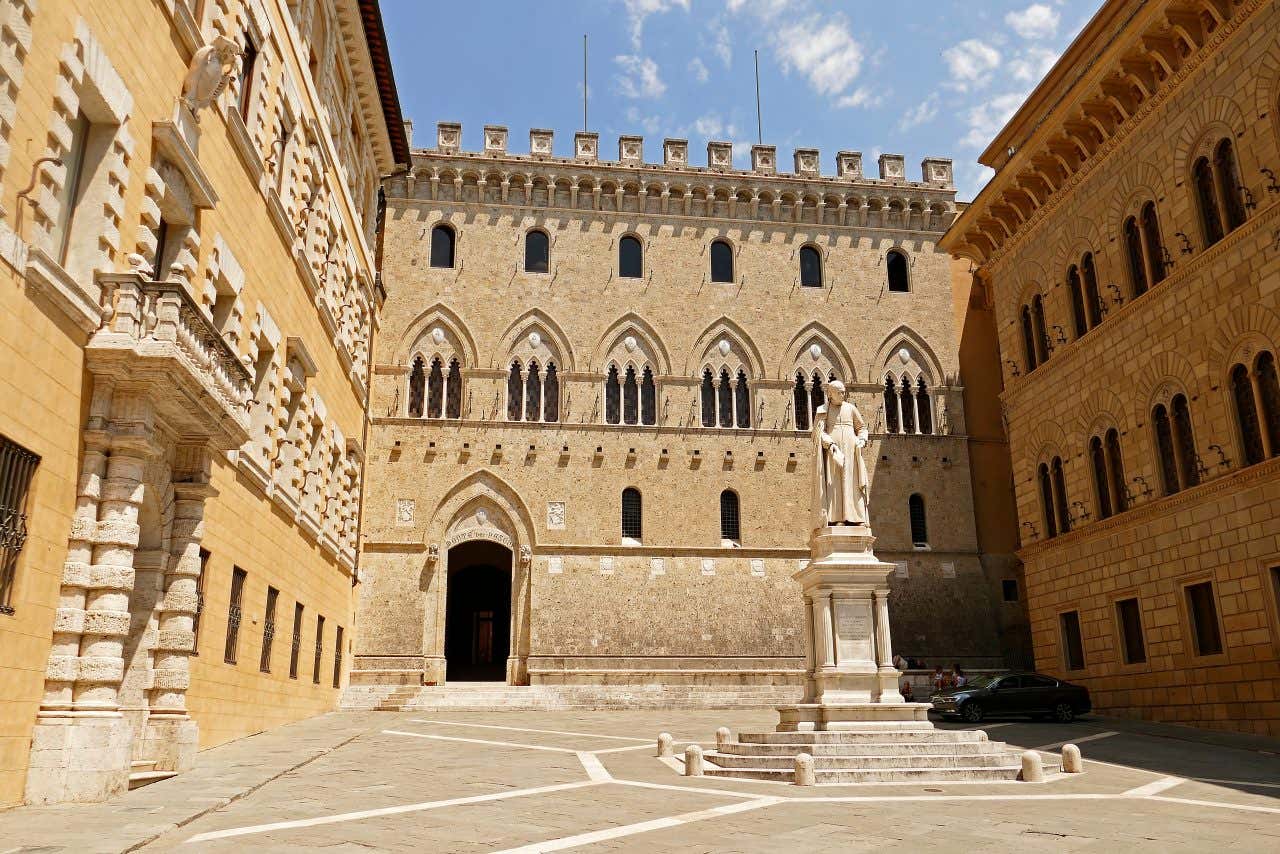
(142, 772)
(491, 696)
(890, 755)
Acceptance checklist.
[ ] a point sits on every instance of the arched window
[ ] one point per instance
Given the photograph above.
(537, 252)
(1115, 466)
(1028, 339)
(724, 398)
(924, 408)
(730, 520)
(1206, 198)
(1269, 392)
(631, 515)
(919, 524)
(1168, 462)
(1153, 242)
(551, 395)
(800, 402)
(908, 407)
(515, 393)
(442, 241)
(1247, 416)
(890, 405)
(896, 265)
(533, 394)
(630, 397)
(742, 400)
(817, 396)
(1092, 301)
(1224, 167)
(1060, 495)
(1046, 501)
(1185, 442)
(708, 399)
(435, 389)
(630, 258)
(1101, 483)
(453, 391)
(1138, 281)
(810, 267)
(648, 398)
(417, 388)
(1077, 301)
(1042, 337)
(612, 397)
(721, 261)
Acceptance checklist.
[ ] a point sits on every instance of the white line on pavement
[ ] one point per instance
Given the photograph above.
(644, 784)
(1236, 782)
(479, 741)
(1055, 745)
(355, 816)
(594, 768)
(624, 749)
(545, 731)
(1155, 787)
(1219, 804)
(640, 827)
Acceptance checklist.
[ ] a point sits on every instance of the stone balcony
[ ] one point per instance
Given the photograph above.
(156, 339)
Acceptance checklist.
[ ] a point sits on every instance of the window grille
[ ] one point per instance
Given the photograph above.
(337, 658)
(890, 405)
(515, 393)
(315, 664)
(435, 389)
(800, 398)
(919, 525)
(631, 513)
(417, 388)
(195, 621)
(612, 397)
(533, 394)
(730, 519)
(17, 467)
(233, 614)
(708, 399)
(742, 401)
(630, 398)
(551, 396)
(924, 407)
(908, 407)
(296, 648)
(648, 399)
(725, 399)
(453, 400)
(268, 629)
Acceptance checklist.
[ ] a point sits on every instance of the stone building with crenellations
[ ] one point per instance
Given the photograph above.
(189, 194)
(590, 457)
(1129, 245)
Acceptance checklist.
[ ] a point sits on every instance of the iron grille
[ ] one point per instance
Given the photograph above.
(17, 466)
(315, 666)
(296, 648)
(195, 620)
(268, 630)
(919, 526)
(631, 513)
(233, 615)
(730, 521)
(337, 658)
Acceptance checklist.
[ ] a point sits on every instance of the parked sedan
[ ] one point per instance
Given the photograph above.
(1013, 694)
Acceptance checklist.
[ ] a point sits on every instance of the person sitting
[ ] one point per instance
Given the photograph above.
(961, 678)
(939, 678)
(907, 693)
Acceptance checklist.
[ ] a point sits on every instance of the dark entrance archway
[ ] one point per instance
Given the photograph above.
(477, 625)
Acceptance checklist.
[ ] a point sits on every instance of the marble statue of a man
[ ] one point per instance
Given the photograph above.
(840, 474)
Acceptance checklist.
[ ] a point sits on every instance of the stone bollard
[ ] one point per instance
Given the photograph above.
(665, 747)
(722, 737)
(1032, 767)
(805, 775)
(693, 761)
(1071, 761)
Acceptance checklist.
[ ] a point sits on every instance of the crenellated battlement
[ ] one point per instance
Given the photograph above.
(935, 172)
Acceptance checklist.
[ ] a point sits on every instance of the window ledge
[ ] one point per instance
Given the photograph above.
(244, 143)
(177, 139)
(79, 303)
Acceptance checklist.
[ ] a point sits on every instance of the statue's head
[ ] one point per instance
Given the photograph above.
(835, 392)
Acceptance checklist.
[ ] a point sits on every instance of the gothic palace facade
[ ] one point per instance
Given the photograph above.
(589, 458)
(1130, 246)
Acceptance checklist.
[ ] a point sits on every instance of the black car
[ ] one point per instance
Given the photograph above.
(1030, 694)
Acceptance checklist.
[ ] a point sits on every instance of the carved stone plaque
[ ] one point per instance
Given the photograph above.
(657, 566)
(948, 570)
(555, 565)
(606, 566)
(404, 511)
(757, 566)
(708, 566)
(555, 515)
(853, 627)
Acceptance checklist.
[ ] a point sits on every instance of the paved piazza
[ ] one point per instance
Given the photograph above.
(590, 781)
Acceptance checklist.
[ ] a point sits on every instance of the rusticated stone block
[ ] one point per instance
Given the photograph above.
(76, 574)
(62, 669)
(106, 623)
(170, 680)
(106, 577)
(68, 621)
(117, 533)
(104, 670)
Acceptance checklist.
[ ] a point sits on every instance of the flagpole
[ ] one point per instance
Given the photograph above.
(759, 122)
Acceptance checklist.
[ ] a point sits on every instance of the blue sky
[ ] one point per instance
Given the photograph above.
(917, 78)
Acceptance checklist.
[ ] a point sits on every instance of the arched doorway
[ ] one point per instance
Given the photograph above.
(477, 627)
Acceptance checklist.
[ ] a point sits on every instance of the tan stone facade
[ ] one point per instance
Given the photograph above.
(186, 222)
(1129, 239)
(643, 526)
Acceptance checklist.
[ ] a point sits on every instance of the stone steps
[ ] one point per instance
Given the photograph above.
(866, 748)
(912, 735)
(490, 696)
(880, 775)
(938, 761)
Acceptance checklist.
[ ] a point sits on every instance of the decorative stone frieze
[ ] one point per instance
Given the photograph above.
(495, 139)
(764, 159)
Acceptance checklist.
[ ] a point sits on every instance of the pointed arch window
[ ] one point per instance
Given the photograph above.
(708, 399)
(1153, 243)
(1028, 339)
(453, 391)
(1224, 168)
(1133, 240)
(817, 394)
(632, 516)
(533, 394)
(907, 406)
(630, 397)
(515, 393)
(648, 398)
(721, 261)
(742, 400)
(897, 271)
(800, 403)
(417, 387)
(1101, 483)
(919, 523)
(924, 407)
(1060, 496)
(1077, 301)
(1046, 501)
(1247, 416)
(1207, 201)
(537, 251)
(730, 518)
(810, 267)
(724, 398)
(891, 421)
(435, 389)
(1168, 462)
(612, 397)
(551, 395)
(630, 258)
(443, 240)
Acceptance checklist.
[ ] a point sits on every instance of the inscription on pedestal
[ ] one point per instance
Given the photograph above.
(853, 630)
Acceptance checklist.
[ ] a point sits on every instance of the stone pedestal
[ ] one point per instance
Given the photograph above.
(850, 680)
(170, 742)
(79, 758)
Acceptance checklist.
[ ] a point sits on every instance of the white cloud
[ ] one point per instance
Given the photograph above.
(638, 77)
(971, 178)
(922, 113)
(987, 118)
(722, 45)
(709, 126)
(1032, 64)
(824, 52)
(860, 97)
(971, 64)
(1037, 21)
(699, 70)
(648, 124)
(638, 10)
